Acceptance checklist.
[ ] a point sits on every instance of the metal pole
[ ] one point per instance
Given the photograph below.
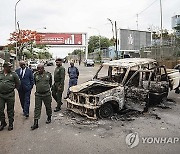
(116, 43)
(137, 21)
(161, 39)
(16, 31)
(86, 44)
(112, 27)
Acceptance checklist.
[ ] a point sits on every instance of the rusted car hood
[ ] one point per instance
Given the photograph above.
(79, 87)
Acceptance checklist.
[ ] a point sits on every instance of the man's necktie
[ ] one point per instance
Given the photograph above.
(21, 75)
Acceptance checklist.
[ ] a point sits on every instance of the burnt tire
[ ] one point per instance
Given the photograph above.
(105, 111)
(163, 99)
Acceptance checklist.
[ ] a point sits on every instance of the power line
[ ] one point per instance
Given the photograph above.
(137, 15)
(147, 7)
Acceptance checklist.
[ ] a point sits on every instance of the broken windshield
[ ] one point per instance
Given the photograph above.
(111, 74)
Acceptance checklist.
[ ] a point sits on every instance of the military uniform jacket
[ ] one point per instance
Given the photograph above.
(59, 77)
(43, 83)
(8, 83)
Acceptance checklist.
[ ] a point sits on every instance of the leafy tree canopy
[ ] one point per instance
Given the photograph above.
(96, 42)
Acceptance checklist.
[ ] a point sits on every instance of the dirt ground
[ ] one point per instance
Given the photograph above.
(72, 133)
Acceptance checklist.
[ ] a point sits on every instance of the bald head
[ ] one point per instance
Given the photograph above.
(40, 65)
(22, 64)
(40, 68)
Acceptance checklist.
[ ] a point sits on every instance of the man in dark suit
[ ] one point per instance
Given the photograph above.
(27, 81)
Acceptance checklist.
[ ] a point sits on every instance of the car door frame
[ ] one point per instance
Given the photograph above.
(133, 93)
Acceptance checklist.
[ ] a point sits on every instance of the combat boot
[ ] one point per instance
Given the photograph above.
(35, 126)
(177, 91)
(3, 124)
(48, 120)
(10, 127)
(57, 109)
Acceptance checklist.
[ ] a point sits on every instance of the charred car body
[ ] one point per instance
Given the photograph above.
(133, 83)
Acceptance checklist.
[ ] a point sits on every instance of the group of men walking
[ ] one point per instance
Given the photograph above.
(23, 80)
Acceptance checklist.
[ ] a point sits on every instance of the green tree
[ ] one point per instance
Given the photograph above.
(76, 52)
(96, 42)
(165, 34)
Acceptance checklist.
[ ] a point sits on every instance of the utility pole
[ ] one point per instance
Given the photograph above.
(112, 27)
(15, 18)
(137, 21)
(161, 39)
(116, 42)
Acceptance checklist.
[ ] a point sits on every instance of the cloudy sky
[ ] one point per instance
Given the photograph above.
(79, 15)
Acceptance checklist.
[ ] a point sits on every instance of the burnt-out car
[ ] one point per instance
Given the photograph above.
(134, 83)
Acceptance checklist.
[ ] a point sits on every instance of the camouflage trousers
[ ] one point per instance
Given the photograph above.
(10, 108)
(38, 105)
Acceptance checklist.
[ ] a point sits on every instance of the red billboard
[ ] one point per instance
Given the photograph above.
(59, 38)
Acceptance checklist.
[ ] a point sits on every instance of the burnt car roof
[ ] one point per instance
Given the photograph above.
(129, 62)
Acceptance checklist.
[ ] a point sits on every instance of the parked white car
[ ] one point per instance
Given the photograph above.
(88, 62)
(33, 65)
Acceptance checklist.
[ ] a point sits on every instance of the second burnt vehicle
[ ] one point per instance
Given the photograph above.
(134, 83)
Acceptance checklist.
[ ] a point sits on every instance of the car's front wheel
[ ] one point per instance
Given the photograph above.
(105, 111)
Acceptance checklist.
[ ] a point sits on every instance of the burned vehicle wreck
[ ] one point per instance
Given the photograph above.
(133, 83)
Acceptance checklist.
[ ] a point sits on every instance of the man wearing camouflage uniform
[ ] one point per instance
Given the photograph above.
(58, 86)
(8, 82)
(43, 82)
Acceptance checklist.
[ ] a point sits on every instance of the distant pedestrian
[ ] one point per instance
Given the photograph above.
(58, 86)
(8, 82)
(43, 82)
(27, 81)
(73, 73)
(79, 62)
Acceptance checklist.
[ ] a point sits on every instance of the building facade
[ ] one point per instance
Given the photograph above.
(175, 20)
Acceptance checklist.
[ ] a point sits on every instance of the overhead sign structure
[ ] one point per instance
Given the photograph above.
(67, 40)
(59, 38)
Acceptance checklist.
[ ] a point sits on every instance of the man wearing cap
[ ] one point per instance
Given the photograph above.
(73, 76)
(8, 82)
(27, 81)
(58, 86)
(43, 82)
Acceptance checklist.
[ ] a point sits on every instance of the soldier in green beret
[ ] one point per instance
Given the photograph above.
(58, 86)
(43, 82)
(9, 80)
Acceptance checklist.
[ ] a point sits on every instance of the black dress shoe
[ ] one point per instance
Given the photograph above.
(57, 109)
(66, 97)
(27, 115)
(10, 127)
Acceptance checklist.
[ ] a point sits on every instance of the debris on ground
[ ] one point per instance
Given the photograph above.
(123, 116)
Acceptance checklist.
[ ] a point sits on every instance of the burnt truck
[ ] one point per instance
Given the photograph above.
(134, 83)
